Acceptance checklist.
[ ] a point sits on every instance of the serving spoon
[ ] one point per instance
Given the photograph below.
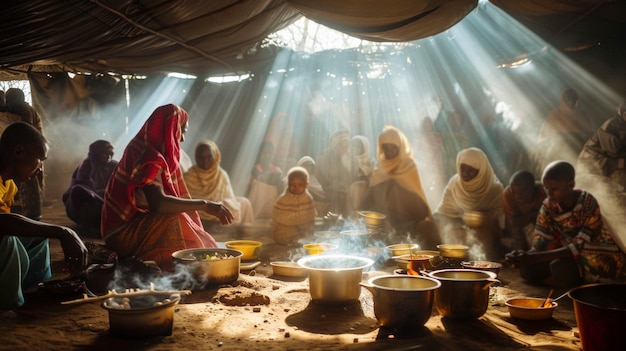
(548, 302)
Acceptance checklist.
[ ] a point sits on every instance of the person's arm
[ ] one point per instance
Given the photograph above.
(533, 257)
(160, 203)
(74, 249)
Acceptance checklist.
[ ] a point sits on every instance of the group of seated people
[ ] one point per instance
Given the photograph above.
(150, 208)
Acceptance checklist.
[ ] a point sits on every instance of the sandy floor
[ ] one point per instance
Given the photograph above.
(262, 311)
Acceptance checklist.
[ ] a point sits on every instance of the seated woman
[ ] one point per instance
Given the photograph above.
(395, 189)
(24, 243)
(147, 211)
(474, 190)
(84, 197)
(266, 182)
(293, 215)
(572, 244)
(207, 180)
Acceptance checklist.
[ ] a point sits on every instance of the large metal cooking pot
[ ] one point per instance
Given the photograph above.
(146, 315)
(335, 279)
(600, 310)
(204, 272)
(402, 301)
(464, 293)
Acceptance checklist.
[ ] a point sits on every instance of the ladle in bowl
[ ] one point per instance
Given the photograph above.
(548, 299)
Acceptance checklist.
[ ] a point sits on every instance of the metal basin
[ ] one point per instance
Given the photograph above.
(464, 293)
(147, 315)
(335, 279)
(203, 272)
(402, 302)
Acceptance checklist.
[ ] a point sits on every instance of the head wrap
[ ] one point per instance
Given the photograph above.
(154, 151)
(98, 147)
(483, 192)
(401, 168)
(339, 138)
(213, 183)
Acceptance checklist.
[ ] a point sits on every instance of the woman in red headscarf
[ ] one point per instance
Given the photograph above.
(148, 212)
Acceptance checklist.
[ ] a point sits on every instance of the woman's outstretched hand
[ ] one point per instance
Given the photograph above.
(74, 250)
(220, 211)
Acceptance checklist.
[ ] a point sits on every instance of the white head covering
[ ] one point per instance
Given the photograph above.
(401, 168)
(365, 163)
(483, 193)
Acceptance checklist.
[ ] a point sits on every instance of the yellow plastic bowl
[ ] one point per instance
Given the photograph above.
(318, 248)
(372, 218)
(528, 308)
(249, 248)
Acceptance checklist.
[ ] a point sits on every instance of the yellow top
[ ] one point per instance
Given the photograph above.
(8, 189)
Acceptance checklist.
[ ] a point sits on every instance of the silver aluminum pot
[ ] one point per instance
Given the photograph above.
(464, 293)
(143, 318)
(335, 279)
(207, 272)
(402, 301)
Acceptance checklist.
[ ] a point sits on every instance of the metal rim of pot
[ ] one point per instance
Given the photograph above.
(366, 262)
(372, 282)
(491, 276)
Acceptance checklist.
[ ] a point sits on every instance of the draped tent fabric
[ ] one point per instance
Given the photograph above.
(374, 20)
(145, 37)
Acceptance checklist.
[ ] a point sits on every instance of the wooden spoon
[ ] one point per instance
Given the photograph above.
(547, 302)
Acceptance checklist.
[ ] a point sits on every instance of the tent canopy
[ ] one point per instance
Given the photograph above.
(142, 37)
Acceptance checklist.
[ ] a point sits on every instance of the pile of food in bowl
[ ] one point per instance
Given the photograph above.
(208, 266)
(422, 257)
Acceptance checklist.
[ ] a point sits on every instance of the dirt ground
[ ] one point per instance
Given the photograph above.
(262, 311)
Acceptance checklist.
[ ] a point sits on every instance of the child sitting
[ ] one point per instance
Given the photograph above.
(293, 215)
(522, 200)
(571, 243)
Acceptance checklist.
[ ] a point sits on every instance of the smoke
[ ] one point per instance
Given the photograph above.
(69, 144)
(463, 235)
(612, 201)
(134, 274)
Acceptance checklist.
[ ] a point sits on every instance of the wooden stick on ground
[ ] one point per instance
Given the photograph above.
(127, 293)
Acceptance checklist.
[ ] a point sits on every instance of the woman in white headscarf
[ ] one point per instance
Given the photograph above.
(395, 189)
(207, 180)
(474, 191)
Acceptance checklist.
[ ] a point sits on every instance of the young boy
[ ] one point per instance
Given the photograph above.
(24, 250)
(293, 215)
(572, 245)
(522, 199)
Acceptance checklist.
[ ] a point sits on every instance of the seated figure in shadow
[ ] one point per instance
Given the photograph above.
(84, 197)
